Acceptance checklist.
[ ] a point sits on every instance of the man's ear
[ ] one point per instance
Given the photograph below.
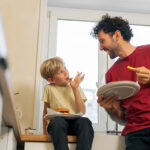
(117, 35)
(50, 80)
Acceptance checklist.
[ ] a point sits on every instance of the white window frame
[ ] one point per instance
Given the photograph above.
(72, 14)
(104, 61)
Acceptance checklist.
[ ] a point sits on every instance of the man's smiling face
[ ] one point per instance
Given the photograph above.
(108, 43)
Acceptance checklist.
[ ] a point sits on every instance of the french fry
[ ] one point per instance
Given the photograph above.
(131, 68)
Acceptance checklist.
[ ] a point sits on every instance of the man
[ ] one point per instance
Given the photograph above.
(114, 34)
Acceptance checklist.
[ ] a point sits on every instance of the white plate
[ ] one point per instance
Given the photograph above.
(122, 89)
(68, 116)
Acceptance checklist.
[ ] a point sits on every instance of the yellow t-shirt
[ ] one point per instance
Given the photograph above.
(61, 97)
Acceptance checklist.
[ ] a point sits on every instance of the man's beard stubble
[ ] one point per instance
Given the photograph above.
(112, 54)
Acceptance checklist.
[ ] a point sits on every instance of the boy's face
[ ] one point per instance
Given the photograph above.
(61, 77)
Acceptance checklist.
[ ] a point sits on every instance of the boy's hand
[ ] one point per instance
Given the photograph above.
(77, 80)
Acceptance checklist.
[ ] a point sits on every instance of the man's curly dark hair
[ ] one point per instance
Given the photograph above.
(111, 24)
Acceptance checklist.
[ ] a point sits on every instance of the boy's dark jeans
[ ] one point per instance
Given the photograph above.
(138, 140)
(60, 127)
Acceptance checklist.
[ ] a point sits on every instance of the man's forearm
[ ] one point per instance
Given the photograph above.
(117, 116)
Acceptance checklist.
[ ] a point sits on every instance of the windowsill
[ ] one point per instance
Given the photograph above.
(47, 138)
(42, 138)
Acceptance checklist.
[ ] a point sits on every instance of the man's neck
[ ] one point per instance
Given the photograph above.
(125, 50)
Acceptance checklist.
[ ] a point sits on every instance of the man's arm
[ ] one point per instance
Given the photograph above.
(44, 120)
(113, 107)
(116, 118)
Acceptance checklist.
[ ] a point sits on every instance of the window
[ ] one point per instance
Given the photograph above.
(80, 52)
(141, 35)
(69, 38)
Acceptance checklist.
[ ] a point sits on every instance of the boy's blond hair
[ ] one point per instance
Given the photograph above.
(51, 66)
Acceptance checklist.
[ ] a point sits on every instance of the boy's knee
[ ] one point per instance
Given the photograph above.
(56, 123)
(84, 121)
(85, 126)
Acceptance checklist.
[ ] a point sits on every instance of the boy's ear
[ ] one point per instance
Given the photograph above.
(51, 80)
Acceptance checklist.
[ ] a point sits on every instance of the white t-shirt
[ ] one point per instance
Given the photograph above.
(61, 97)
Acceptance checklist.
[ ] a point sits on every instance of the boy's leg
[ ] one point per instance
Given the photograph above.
(57, 128)
(139, 140)
(84, 131)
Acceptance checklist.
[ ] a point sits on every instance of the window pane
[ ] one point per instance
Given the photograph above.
(140, 35)
(80, 52)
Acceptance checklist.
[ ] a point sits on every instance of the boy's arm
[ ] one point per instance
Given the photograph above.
(44, 120)
(79, 102)
(75, 84)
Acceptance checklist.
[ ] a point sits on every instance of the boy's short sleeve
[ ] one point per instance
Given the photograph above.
(46, 94)
(82, 94)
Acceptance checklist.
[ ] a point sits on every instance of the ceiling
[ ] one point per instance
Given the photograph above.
(135, 6)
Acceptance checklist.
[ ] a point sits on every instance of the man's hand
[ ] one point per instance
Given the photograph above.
(111, 104)
(108, 102)
(77, 80)
(143, 75)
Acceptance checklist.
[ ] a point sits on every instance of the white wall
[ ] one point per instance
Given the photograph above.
(21, 22)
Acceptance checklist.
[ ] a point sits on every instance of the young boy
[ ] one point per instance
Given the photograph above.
(64, 92)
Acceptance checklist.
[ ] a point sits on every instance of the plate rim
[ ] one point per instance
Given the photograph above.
(121, 83)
